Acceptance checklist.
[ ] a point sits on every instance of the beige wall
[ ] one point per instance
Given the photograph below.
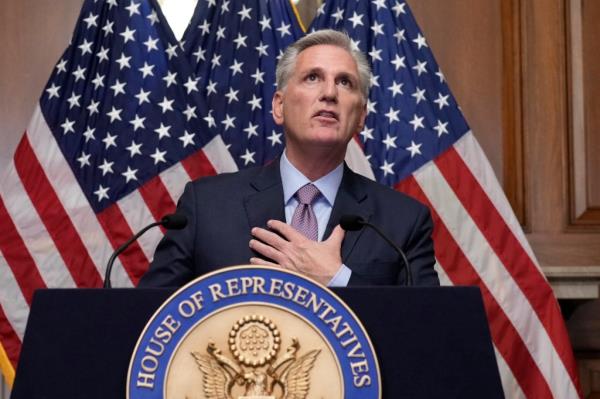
(33, 34)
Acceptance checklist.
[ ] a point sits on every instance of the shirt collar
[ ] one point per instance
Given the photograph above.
(292, 179)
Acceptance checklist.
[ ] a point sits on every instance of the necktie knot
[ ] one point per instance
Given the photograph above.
(304, 219)
(307, 194)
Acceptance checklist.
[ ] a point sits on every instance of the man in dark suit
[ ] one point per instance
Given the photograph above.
(286, 214)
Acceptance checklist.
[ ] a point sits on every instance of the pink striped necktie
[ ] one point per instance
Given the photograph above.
(304, 219)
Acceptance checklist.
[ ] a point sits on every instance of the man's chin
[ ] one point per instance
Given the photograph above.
(329, 138)
(329, 143)
(324, 141)
(326, 150)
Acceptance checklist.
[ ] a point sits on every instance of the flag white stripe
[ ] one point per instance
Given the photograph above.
(12, 301)
(30, 227)
(72, 198)
(444, 279)
(219, 156)
(174, 180)
(473, 156)
(137, 215)
(495, 277)
(357, 161)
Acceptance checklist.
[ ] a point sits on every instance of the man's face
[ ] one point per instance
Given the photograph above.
(322, 105)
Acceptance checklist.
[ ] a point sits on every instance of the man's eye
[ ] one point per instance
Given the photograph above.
(345, 82)
(311, 77)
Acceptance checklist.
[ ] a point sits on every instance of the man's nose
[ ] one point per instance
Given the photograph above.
(329, 91)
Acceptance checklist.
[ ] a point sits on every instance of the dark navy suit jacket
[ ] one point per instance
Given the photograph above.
(222, 209)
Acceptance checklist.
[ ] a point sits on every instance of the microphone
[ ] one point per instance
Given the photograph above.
(174, 221)
(355, 222)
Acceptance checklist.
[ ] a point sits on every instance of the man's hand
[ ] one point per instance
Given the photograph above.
(291, 250)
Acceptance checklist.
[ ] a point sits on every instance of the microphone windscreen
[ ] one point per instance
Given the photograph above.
(174, 221)
(351, 222)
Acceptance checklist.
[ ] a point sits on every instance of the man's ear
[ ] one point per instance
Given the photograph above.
(362, 119)
(277, 107)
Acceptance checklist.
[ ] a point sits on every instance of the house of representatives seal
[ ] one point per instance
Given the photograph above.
(251, 332)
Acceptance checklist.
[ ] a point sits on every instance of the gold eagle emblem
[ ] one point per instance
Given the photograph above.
(254, 342)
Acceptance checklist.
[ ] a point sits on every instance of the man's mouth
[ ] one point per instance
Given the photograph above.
(327, 114)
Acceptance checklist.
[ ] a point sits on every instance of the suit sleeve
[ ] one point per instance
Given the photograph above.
(173, 264)
(420, 252)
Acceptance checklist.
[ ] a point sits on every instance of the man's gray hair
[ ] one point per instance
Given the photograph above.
(287, 63)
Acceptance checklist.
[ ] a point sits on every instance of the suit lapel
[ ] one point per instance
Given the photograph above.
(267, 201)
(350, 200)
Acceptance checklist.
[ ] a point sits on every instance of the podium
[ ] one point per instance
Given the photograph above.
(430, 342)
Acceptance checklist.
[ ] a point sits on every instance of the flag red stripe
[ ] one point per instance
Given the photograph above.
(18, 257)
(197, 165)
(118, 231)
(157, 198)
(53, 215)
(9, 339)
(461, 272)
(356, 138)
(509, 250)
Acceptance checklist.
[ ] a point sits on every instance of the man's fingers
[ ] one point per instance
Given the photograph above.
(269, 237)
(321, 260)
(337, 236)
(262, 262)
(266, 250)
(286, 230)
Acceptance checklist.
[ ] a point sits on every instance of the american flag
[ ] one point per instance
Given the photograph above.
(130, 114)
(234, 50)
(417, 141)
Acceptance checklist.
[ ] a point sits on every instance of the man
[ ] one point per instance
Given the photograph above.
(286, 214)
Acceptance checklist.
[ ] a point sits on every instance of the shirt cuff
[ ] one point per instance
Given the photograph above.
(341, 278)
